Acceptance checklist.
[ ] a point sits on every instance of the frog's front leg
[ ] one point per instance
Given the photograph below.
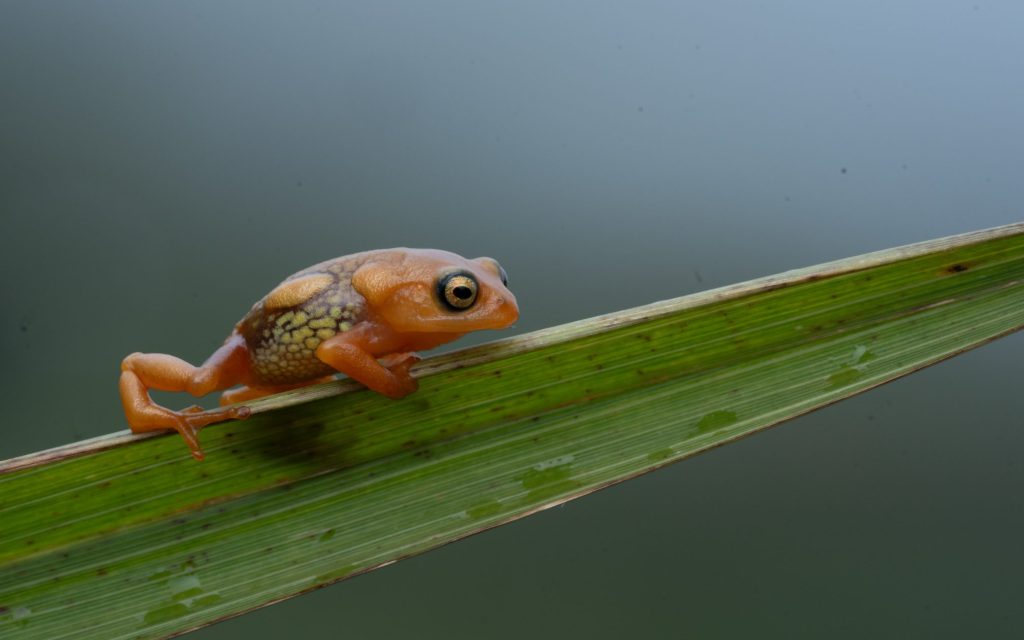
(354, 360)
(140, 372)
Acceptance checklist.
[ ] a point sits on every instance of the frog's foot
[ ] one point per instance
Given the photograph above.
(400, 361)
(189, 422)
(398, 365)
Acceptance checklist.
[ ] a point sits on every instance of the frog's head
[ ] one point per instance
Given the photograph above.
(431, 291)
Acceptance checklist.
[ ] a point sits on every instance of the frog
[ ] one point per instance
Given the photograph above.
(364, 315)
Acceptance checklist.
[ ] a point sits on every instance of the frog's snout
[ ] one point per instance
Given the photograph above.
(507, 311)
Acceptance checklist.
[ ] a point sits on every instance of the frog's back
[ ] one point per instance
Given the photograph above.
(284, 329)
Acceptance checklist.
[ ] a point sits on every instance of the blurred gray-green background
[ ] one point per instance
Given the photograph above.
(163, 164)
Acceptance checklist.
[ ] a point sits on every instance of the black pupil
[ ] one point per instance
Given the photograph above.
(462, 292)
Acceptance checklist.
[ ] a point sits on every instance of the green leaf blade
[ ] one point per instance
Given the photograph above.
(140, 541)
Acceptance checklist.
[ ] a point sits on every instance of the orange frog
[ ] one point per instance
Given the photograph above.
(364, 315)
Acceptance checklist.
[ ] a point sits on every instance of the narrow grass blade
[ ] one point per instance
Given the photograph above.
(128, 537)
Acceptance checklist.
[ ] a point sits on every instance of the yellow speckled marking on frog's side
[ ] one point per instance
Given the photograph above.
(295, 291)
(284, 329)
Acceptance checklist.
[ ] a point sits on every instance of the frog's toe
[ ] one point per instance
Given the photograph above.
(191, 421)
(404, 383)
(201, 418)
(400, 363)
(239, 413)
(190, 435)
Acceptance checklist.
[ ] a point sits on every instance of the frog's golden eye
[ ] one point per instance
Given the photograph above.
(457, 290)
(493, 265)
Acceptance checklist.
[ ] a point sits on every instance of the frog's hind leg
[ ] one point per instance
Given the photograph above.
(244, 394)
(140, 372)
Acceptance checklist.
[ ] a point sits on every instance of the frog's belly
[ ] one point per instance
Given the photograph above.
(280, 364)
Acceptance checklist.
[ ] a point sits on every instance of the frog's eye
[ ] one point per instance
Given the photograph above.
(457, 290)
(493, 265)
